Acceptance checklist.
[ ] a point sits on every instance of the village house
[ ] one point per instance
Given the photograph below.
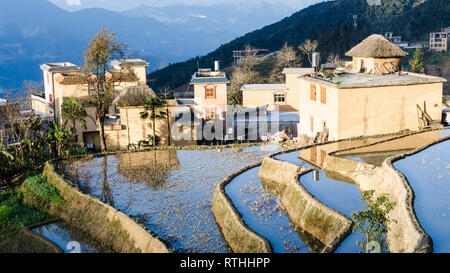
(278, 97)
(210, 93)
(373, 97)
(124, 126)
(439, 41)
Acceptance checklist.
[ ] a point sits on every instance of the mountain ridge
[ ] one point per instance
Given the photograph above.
(409, 18)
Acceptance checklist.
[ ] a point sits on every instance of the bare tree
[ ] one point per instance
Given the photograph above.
(334, 58)
(243, 73)
(100, 51)
(308, 47)
(286, 57)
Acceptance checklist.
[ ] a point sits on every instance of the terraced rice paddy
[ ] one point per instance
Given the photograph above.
(339, 195)
(262, 212)
(170, 192)
(428, 173)
(69, 239)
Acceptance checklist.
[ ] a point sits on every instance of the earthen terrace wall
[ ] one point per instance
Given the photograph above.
(103, 222)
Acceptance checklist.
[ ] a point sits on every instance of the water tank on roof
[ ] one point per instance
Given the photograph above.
(315, 59)
(216, 65)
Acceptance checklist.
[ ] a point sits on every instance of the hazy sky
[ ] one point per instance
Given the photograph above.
(128, 4)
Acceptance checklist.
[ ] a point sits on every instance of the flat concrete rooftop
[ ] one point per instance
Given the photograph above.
(263, 86)
(59, 67)
(360, 80)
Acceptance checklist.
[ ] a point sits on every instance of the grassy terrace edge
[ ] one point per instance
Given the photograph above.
(103, 222)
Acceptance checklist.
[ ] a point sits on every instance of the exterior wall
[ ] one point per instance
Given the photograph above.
(367, 111)
(141, 73)
(319, 112)
(256, 98)
(65, 90)
(39, 105)
(202, 103)
(133, 128)
(292, 83)
(389, 109)
(48, 84)
(368, 63)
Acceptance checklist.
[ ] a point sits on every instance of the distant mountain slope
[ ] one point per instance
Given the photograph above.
(36, 31)
(413, 19)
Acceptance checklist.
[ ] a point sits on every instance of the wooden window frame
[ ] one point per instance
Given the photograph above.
(209, 87)
(210, 114)
(323, 95)
(312, 92)
(275, 94)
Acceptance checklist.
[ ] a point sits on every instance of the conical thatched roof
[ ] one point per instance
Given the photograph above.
(376, 46)
(133, 95)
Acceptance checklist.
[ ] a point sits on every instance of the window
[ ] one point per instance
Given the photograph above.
(313, 92)
(210, 92)
(323, 95)
(210, 114)
(279, 98)
(311, 124)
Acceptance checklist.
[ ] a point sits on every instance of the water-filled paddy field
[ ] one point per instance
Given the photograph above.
(69, 239)
(263, 213)
(428, 173)
(170, 192)
(341, 196)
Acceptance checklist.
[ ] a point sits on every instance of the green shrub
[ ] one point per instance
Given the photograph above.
(13, 214)
(38, 184)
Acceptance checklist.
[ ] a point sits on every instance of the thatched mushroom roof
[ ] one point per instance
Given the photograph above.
(376, 46)
(133, 96)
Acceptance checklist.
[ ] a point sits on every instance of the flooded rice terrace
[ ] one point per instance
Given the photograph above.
(170, 192)
(262, 212)
(70, 239)
(428, 173)
(341, 196)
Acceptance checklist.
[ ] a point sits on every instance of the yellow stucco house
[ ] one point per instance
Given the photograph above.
(278, 97)
(210, 94)
(123, 124)
(373, 97)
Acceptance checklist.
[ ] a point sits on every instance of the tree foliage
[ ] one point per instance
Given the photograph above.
(372, 220)
(409, 18)
(416, 62)
(101, 50)
(152, 110)
(72, 110)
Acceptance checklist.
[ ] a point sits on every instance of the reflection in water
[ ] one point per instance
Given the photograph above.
(151, 169)
(64, 235)
(428, 173)
(377, 153)
(177, 210)
(106, 196)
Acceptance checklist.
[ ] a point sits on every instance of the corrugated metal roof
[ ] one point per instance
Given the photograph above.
(263, 86)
